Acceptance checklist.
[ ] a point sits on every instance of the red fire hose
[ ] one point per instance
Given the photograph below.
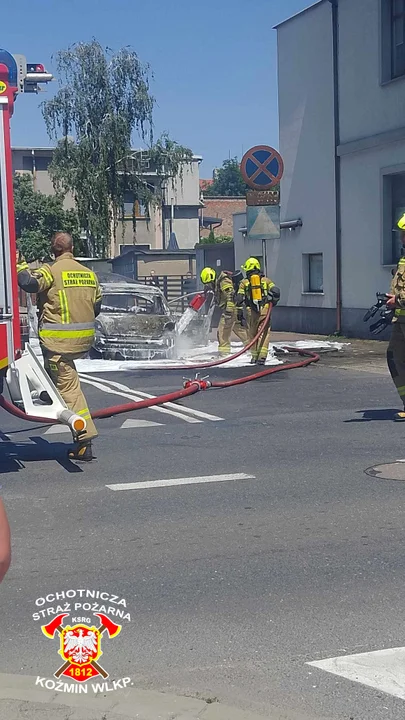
(193, 387)
(190, 386)
(311, 357)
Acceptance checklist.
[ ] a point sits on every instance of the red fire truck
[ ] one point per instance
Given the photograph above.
(24, 374)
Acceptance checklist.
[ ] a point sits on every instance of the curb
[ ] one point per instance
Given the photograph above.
(21, 697)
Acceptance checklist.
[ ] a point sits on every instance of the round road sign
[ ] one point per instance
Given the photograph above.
(262, 167)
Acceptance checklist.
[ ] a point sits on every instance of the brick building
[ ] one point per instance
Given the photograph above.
(222, 208)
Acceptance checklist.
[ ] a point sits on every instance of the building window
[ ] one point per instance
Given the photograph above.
(397, 38)
(141, 210)
(42, 163)
(393, 209)
(27, 163)
(393, 39)
(35, 162)
(313, 272)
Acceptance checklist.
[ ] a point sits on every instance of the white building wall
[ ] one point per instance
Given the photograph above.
(367, 106)
(185, 187)
(372, 145)
(363, 272)
(307, 147)
(369, 110)
(187, 232)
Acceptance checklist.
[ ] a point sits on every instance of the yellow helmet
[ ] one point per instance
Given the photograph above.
(207, 275)
(401, 222)
(251, 264)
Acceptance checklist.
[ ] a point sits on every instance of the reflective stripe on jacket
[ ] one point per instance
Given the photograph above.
(225, 293)
(398, 289)
(67, 296)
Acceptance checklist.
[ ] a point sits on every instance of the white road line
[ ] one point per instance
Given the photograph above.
(133, 396)
(186, 410)
(180, 481)
(381, 669)
(139, 423)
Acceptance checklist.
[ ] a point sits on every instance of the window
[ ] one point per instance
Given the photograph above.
(42, 162)
(397, 38)
(393, 39)
(35, 162)
(27, 162)
(313, 272)
(141, 211)
(393, 209)
(136, 304)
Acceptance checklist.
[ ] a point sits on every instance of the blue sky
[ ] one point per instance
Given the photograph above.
(214, 63)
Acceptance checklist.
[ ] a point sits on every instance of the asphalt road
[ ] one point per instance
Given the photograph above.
(232, 586)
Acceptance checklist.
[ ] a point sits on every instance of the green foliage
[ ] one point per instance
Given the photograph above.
(38, 217)
(103, 100)
(229, 181)
(215, 239)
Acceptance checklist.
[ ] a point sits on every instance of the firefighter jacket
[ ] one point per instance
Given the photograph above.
(225, 293)
(68, 298)
(244, 296)
(398, 289)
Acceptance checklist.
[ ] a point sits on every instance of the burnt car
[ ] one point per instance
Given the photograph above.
(135, 322)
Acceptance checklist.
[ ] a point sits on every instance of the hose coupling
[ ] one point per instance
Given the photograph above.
(202, 383)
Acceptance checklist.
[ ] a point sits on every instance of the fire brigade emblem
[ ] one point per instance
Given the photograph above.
(80, 646)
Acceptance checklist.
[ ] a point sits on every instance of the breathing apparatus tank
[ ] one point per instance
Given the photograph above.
(256, 292)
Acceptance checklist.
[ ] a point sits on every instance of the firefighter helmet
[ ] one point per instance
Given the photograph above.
(251, 264)
(401, 222)
(208, 275)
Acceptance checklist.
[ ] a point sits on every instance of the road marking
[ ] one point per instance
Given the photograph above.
(133, 396)
(138, 424)
(381, 669)
(58, 430)
(140, 394)
(180, 481)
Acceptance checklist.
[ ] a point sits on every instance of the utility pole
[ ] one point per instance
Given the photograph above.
(338, 193)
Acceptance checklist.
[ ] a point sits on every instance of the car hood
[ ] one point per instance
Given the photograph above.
(131, 324)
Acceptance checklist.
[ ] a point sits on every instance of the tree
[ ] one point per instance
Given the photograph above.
(215, 239)
(228, 182)
(38, 217)
(103, 100)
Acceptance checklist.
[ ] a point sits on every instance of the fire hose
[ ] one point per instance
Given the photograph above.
(191, 387)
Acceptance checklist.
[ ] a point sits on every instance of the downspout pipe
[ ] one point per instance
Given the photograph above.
(337, 169)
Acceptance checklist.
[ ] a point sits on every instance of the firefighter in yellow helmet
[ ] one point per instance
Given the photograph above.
(224, 294)
(396, 347)
(256, 291)
(69, 298)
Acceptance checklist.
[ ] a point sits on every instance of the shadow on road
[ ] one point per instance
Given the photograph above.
(370, 415)
(13, 455)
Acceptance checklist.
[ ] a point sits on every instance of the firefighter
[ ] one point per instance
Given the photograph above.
(69, 299)
(224, 294)
(396, 347)
(256, 291)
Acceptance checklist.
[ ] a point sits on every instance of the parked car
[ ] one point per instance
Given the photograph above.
(135, 322)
